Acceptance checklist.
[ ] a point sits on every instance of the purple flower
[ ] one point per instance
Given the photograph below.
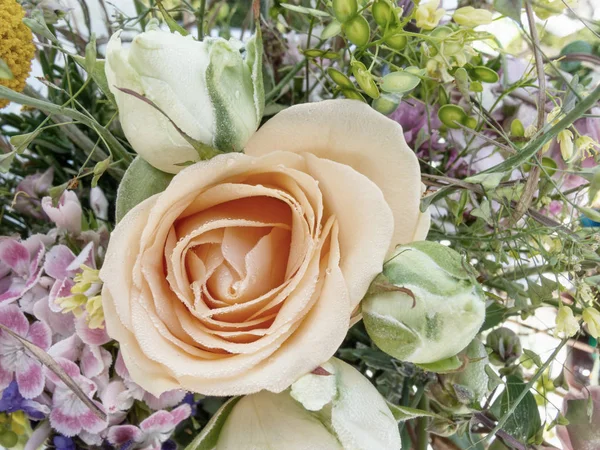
(69, 415)
(15, 362)
(152, 432)
(67, 214)
(30, 190)
(63, 443)
(13, 401)
(20, 266)
(419, 125)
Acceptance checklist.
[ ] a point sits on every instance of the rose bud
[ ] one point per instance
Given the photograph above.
(208, 90)
(333, 408)
(505, 346)
(425, 306)
(456, 391)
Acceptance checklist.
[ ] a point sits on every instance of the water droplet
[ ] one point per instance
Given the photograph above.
(230, 161)
(328, 271)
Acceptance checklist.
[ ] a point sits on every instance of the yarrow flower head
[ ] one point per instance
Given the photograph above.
(16, 46)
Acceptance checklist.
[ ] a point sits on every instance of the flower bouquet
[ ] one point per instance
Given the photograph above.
(333, 225)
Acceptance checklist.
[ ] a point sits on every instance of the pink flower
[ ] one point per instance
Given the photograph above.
(20, 267)
(152, 432)
(69, 415)
(15, 361)
(99, 203)
(582, 430)
(67, 214)
(167, 399)
(29, 192)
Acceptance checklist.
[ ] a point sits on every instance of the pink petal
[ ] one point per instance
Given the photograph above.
(41, 335)
(30, 377)
(69, 348)
(57, 260)
(85, 257)
(91, 422)
(67, 215)
(15, 255)
(121, 434)
(12, 317)
(96, 336)
(159, 422)
(68, 366)
(5, 378)
(63, 423)
(14, 291)
(91, 361)
(111, 396)
(181, 413)
(61, 324)
(35, 269)
(61, 288)
(166, 400)
(121, 368)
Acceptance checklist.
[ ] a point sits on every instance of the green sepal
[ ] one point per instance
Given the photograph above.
(209, 437)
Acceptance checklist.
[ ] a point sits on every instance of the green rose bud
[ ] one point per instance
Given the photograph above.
(425, 306)
(505, 346)
(457, 391)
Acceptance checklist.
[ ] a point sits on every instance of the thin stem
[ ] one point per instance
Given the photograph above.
(200, 19)
(422, 434)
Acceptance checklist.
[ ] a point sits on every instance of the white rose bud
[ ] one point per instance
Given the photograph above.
(333, 408)
(425, 306)
(211, 90)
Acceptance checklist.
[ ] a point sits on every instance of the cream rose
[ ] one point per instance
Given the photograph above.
(244, 273)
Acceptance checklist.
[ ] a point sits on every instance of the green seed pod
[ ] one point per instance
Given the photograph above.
(450, 114)
(476, 86)
(313, 52)
(397, 41)
(400, 82)
(549, 165)
(484, 74)
(425, 306)
(344, 10)
(8, 439)
(357, 31)
(387, 103)
(353, 95)
(340, 79)
(383, 13)
(471, 122)
(505, 346)
(517, 129)
(364, 79)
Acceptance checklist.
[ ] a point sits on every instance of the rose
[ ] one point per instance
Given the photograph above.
(337, 409)
(206, 88)
(244, 273)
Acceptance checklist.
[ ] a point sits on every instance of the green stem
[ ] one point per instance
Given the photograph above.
(422, 434)
(114, 145)
(285, 80)
(200, 19)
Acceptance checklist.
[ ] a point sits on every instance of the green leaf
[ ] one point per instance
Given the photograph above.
(209, 437)
(533, 356)
(524, 422)
(447, 365)
(6, 160)
(171, 23)
(590, 213)
(303, 10)
(574, 47)
(332, 29)
(404, 413)
(487, 180)
(37, 24)
(494, 315)
(509, 8)
(493, 379)
(5, 72)
(484, 211)
(140, 182)
(98, 75)
(90, 54)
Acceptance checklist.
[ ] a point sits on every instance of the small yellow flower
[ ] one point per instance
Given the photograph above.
(428, 15)
(566, 323)
(472, 17)
(16, 46)
(586, 145)
(545, 9)
(95, 316)
(591, 317)
(85, 279)
(73, 303)
(565, 139)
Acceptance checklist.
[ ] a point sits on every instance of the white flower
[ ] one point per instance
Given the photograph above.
(208, 89)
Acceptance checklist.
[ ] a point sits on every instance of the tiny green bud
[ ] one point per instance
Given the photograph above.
(344, 10)
(340, 79)
(364, 79)
(505, 346)
(397, 41)
(450, 114)
(517, 129)
(484, 74)
(400, 82)
(387, 103)
(471, 122)
(425, 306)
(383, 13)
(357, 31)
(476, 86)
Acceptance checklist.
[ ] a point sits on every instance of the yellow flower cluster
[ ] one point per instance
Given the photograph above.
(16, 45)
